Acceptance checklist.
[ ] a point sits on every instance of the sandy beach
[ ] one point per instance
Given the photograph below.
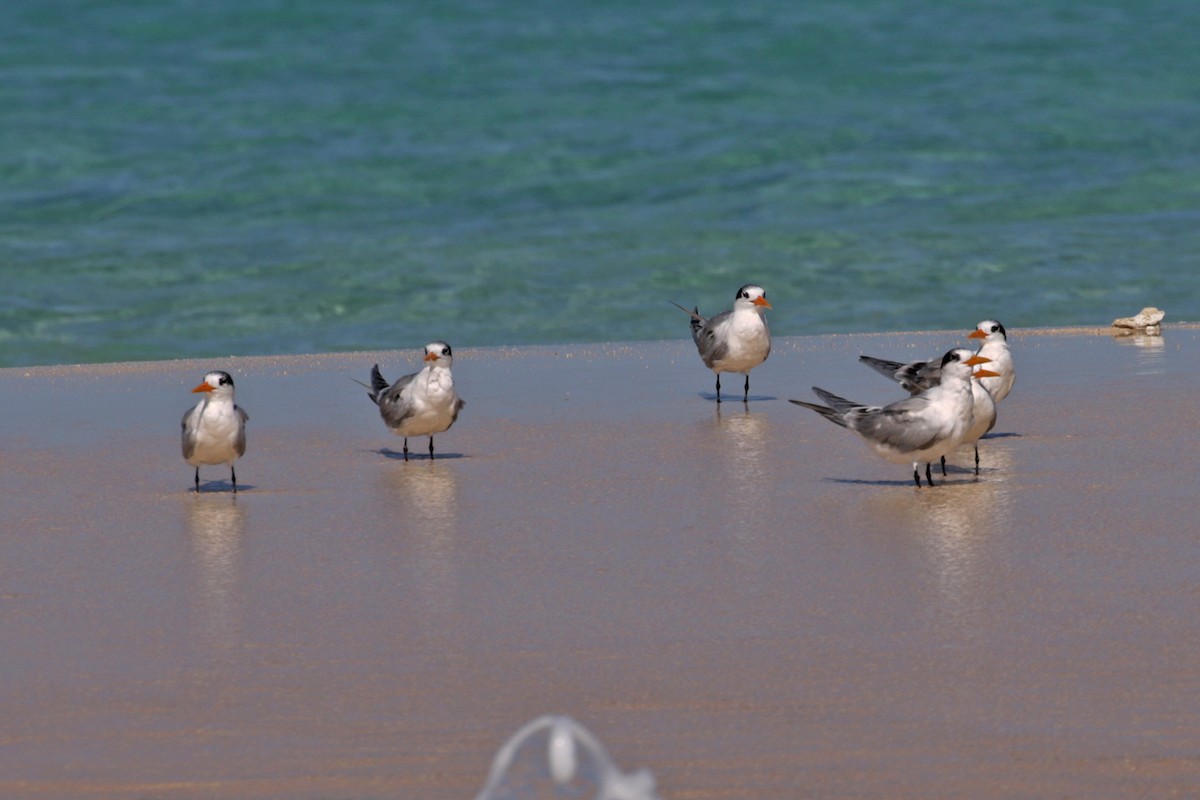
(741, 598)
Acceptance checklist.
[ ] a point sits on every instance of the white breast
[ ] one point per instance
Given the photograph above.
(215, 429)
(748, 342)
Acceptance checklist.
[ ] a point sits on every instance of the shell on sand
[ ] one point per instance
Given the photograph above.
(1149, 317)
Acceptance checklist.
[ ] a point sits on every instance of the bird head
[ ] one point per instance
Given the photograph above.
(751, 296)
(217, 382)
(438, 354)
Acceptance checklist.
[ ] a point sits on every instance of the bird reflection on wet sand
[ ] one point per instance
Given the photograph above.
(424, 504)
(959, 535)
(216, 528)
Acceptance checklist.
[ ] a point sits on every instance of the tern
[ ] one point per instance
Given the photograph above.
(917, 429)
(214, 430)
(736, 340)
(995, 347)
(997, 380)
(420, 404)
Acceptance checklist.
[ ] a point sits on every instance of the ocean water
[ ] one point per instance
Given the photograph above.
(185, 178)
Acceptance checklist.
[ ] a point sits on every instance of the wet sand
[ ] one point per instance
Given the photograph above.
(743, 599)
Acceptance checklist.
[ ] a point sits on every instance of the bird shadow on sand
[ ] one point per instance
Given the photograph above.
(963, 479)
(217, 487)
(415, 455)
(754, 398)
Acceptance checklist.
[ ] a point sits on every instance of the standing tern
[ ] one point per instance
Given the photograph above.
(995, 347)
(917, 429)
(997, 380)
(214, 430)
(736, 340)
(420, 404)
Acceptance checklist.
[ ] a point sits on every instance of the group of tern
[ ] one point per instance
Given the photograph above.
(421, 404)
(950, 402)
(952, 398)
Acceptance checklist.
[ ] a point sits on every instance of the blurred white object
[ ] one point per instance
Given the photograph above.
(562, 752)
(565, 738)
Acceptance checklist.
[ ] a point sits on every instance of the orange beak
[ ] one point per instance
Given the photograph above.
(976, 360)
(976, 334)
(761, 301)
(204, 387)
(431, 356)
(986, 373)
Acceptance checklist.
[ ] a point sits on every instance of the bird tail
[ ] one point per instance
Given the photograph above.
(697, 320)
(378, 385)
(839, 404)
(828, 413)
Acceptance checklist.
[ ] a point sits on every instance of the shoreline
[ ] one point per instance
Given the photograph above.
(510, 349)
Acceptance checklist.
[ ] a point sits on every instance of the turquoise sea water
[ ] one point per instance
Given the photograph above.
(211, 177)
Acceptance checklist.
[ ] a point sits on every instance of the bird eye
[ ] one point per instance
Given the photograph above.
(746, 295)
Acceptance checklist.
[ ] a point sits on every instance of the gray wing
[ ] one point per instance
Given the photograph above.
(189, 437)
(394, 405)
(712, 349)
(887, 369)
(900, 425)
(240, 444)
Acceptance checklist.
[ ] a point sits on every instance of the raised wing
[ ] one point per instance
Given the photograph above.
(915, 376)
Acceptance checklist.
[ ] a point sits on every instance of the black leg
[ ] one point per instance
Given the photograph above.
(943, 466)
(976, 458)
(718, 387)
(406, 448)
(917, 476)
(431, 448)
(746, 395)
(233, 478)
(928, 475)
(197, 480)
